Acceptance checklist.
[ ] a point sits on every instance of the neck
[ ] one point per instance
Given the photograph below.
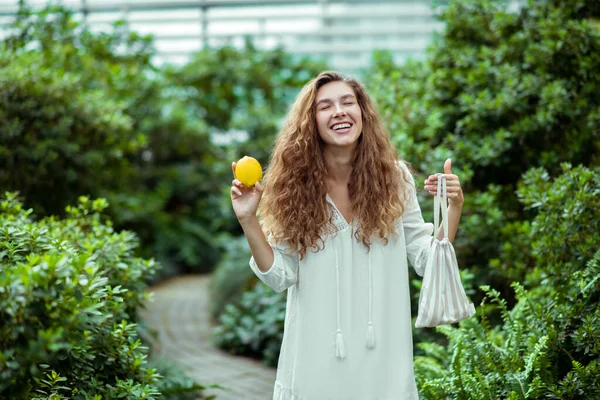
(339, 164)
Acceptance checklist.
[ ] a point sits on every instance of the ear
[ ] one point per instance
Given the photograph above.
(448, 167)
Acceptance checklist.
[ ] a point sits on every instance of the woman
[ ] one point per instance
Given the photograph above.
(342, 219)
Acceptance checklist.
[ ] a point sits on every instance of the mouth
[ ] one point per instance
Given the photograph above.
(341, 127)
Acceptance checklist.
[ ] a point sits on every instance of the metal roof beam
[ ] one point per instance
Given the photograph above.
(193, 4)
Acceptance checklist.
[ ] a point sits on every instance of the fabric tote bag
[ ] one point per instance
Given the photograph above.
(442, 299)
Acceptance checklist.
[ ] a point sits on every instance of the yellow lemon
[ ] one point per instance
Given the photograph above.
(248, 171)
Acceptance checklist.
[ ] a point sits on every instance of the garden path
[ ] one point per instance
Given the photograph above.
(180, 315)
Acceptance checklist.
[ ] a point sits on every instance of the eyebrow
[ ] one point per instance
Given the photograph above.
(344, 97)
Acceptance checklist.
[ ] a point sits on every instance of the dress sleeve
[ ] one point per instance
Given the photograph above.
(284, 271)
(417, 233)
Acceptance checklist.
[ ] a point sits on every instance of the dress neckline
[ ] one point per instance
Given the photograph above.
(338, 218)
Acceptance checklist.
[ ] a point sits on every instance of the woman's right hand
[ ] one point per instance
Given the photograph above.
(245, 200)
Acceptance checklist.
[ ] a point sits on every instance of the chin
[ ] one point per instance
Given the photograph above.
(347, 143)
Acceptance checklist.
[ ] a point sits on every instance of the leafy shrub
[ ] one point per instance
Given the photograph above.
(254, 326)
(69, 290)
(246, 89)
(501, 91)
(153, 196)
(547, 346)
(174, 384)
(232, 276)
(59, 140)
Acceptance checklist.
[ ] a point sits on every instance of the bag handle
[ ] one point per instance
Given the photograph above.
(440, 203)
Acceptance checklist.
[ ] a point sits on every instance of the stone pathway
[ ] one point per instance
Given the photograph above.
(180, 315)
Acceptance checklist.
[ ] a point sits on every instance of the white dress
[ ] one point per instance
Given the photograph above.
(347, 332)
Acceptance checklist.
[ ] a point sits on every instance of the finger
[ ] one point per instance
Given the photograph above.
(454, 182)
(448, 166)
(259, 188)
(237, 183)
(233, 164)
(457, 192)
(449, 189)
(449, 178)
(453, 187)
(431, 181)
(451, 181)
(453, 190)
(235, 192)
(434, 178)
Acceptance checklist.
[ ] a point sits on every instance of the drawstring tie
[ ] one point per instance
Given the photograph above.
(340, 350)
(370, 336)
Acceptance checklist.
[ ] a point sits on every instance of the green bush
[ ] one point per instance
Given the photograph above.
(69, 293)
(548, 344)
(501, 91)
(69, 290)
(58, 140)
(253, 326)
(246, 90)
(153, 195)
(232, 276)
(174, 384)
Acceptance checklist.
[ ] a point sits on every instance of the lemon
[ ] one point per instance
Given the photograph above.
(248, 171)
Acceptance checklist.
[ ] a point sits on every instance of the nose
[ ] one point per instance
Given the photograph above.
(338, 111)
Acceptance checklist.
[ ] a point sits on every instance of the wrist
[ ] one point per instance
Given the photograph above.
(457, 206)
(248, 220)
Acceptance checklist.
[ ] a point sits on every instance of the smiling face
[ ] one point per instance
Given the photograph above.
(338, 114)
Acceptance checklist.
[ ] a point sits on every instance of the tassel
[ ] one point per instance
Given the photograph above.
(340, 351)
(370, 336)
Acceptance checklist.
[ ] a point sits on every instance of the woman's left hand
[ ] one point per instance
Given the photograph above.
(453, 188)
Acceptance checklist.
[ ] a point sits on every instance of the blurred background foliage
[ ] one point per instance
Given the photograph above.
(513, 97)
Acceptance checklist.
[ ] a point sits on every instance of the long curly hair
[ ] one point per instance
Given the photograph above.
(294, 208)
